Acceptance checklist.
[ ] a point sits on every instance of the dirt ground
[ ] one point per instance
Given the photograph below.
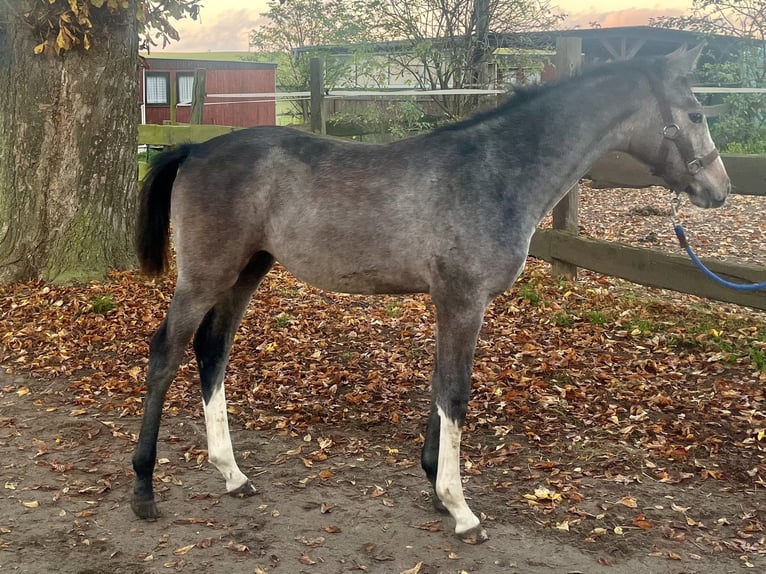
(329, 502)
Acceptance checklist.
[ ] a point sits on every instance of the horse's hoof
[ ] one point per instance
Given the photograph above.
(475, 535)
(244, 491)
(145, 509)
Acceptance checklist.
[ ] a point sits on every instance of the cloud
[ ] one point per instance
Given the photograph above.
(226, 28)
(219, 31)
(613, 19)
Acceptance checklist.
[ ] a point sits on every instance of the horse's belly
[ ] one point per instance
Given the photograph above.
(342, 276)
(364, 282)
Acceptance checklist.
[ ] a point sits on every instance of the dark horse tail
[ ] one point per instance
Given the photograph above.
(153, 225)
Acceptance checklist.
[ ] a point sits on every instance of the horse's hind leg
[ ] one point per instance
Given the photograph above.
(212, 345)
(457, 324)
(166, 352)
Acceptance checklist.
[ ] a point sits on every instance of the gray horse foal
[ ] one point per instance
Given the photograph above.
(449, 213)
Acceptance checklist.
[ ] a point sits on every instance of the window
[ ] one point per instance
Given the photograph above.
(157, 88)
(185, 87)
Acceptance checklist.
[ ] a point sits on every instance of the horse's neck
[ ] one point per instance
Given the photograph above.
(573, 126)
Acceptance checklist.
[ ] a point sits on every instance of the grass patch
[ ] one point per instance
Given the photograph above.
(102, 304)
(529, 292)
(564, 319)
(283, 320)
(393, 308)
(758, 357)
(641, 328)
(596, 318)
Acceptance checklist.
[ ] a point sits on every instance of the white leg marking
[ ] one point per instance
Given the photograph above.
(449, 488)
(219, 449)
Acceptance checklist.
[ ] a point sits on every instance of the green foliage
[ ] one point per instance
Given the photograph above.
(758, 358)
(597, 318)
(564, 319)
(396, 119)
(446, 43)
(432, 43)
(102, 304)
(301, 29)
(393, 308)
(529, 292)
(742, 129)
(641, 328)
(283, 320)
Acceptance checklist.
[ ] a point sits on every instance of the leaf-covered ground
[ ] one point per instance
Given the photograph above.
(590, 397)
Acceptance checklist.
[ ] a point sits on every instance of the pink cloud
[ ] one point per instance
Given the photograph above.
(613, 19)
(220, 31)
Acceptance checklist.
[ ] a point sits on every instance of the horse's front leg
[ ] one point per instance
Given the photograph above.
(456, 334)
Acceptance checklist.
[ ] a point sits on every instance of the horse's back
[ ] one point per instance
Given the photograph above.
(330, 211)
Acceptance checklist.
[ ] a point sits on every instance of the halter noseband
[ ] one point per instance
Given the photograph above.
(671, 132)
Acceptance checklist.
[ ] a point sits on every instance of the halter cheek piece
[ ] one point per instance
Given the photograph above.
(672, 132)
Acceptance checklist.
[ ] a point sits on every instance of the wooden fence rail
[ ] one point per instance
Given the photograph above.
(649, 267)
(615, 169)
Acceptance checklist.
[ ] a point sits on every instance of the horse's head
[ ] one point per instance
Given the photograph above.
(675, 140)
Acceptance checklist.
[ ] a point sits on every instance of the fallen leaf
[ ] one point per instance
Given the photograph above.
(642, 523)
(431, 526)
(629, 501)
(414, 570)
(236, 547)
(306, 559)
(312, 542)
(377, 491)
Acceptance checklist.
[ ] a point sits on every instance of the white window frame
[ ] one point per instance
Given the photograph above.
(157, 89)
(185, 87)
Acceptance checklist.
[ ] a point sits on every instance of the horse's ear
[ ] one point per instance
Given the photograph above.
(683, 62)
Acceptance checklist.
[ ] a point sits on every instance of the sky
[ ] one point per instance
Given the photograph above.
(224, 24)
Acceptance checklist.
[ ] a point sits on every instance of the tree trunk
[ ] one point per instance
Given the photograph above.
(68, 166)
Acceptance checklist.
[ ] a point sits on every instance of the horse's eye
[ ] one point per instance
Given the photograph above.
(696, 117)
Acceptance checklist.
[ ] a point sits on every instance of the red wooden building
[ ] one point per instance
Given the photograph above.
(239, 78)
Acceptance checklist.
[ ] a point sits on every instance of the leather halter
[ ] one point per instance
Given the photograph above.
(671, 132)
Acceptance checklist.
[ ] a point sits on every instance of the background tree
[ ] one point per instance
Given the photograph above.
(68, 117)
(743, 127)
(445, 43)
(298, 30)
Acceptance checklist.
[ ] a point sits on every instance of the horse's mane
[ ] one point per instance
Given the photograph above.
(524, 94)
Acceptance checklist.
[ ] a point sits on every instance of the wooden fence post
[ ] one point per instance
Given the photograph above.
(567, 60)
(316, 78)
(198, 97)
(173, 101)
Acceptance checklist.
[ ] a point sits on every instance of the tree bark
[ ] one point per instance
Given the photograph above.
(68, 166)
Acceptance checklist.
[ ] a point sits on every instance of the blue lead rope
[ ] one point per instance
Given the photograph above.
(681, 234)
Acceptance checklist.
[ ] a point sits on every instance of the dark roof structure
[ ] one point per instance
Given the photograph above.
(599, 44)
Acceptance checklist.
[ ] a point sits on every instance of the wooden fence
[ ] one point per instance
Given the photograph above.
(651, 267)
